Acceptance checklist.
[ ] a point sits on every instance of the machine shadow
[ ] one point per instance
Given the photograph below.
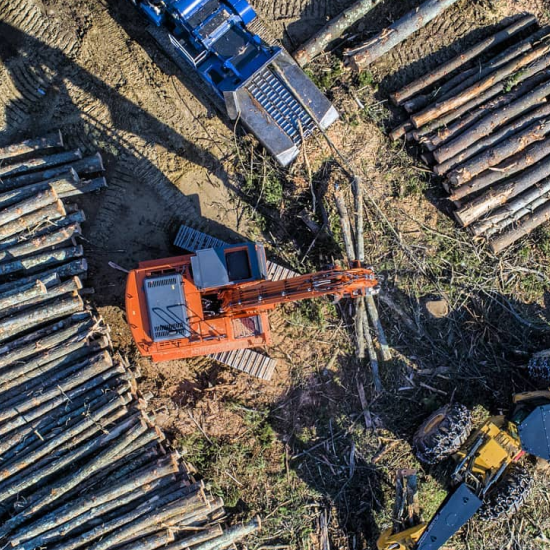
(138, 215)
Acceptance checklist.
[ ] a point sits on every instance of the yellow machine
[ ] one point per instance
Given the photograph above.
(488, 476)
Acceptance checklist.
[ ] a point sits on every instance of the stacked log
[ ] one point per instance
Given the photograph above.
(484, 118)
(82, 464)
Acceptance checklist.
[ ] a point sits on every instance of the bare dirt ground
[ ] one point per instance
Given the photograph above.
(305, 451)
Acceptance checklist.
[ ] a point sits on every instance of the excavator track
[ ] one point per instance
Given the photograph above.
(249, 361)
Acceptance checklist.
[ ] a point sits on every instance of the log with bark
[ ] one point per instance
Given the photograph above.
(501, 193)
(26, 206)
(61, 521)
(492, 121)
(24, 321)
(443, 136)
(43, 259)
(53, 211)
(499, 173)
(43, 229)
(51, 141)
(64, 332)
(521, 228)
(49, 240)
(231, 536)
(513, 210)
(460, 60)
(40, 163)
(80, 188)
(13, 196)
(334, 29)
(85, 167)
(463, 81)
(365, 54)
(507, 71)
(499, 153)
(483, 144)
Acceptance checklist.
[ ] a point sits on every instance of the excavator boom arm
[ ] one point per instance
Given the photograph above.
(356, 281)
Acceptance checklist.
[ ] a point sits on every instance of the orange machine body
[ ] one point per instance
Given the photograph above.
(196, 316)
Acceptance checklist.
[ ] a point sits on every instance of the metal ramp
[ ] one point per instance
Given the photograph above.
(249, 361)
(193, 240)
(279, 102)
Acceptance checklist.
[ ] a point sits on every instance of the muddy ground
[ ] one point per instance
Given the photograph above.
(307, 451)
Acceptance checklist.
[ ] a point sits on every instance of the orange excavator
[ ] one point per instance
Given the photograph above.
(216, 300)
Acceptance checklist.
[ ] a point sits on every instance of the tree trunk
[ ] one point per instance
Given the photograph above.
(36, 290)
(507, 71)
(8, 198)
(47, 331)
(209, 533)
(87, 186)
(24, 321)
(38, 201)
(510, 209)
(378, 330)
(346, 224)
(499, 194)
(334, 29)
(367, 53)
(231, 536)
(39, 162)
(499, 173)
(523, 227)
(499, 153)
(36, 232)
(69, 516)
(460, 60)
(41, 260)
(49, 341)
(401, 130)
(52, 212)
(84, 167)
(492, 139)
(493, 120)
(28, 146)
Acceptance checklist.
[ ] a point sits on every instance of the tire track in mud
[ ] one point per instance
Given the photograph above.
(294, 9)
(85, 114)
(27, 79)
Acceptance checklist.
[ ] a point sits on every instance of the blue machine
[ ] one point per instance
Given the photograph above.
(257, 83)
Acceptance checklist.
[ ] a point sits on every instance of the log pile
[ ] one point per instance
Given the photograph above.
(82, 465)
(483, 119)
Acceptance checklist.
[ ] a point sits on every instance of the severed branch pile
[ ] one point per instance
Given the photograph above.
(81, 463)
(484, 119)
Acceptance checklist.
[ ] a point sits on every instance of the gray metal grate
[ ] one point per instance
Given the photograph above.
(249, 361)
(268, 90)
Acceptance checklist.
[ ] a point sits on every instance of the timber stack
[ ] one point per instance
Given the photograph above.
(82, 464)
(483, 119)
